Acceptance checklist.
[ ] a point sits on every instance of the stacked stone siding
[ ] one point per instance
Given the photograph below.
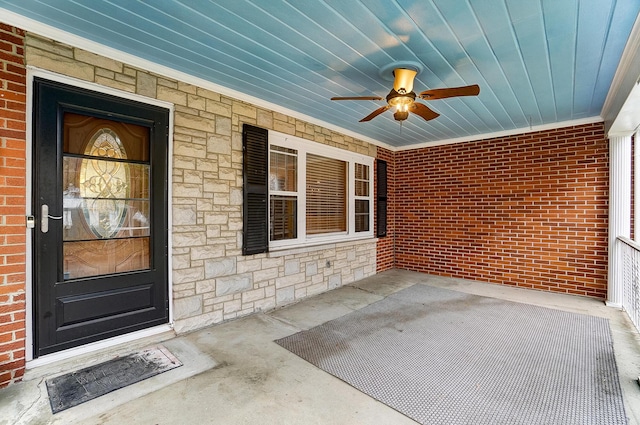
(212, 281)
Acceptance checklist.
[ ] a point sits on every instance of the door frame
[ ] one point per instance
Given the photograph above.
(33, 72)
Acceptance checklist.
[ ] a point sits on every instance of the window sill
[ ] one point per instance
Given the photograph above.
(313, 246)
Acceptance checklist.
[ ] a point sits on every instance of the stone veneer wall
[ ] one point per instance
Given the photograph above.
(212, 281)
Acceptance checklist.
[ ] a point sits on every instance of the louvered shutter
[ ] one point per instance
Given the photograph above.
(381, 189)
(254, 175)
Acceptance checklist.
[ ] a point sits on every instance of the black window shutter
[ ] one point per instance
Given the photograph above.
(254, 175)
(381, 189)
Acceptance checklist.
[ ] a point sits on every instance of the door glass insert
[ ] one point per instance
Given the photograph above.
(104, 184)
(106, 197)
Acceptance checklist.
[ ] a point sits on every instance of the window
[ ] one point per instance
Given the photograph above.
(317, 193)
(326, 195)
(283, 190)
(362, 197)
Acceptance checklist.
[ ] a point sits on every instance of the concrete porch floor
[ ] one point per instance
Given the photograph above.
(234, 373)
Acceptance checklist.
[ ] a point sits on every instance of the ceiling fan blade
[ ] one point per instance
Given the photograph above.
(423, 110)
(473, 90)
(403, 80)
(375, 113)
(358, 98)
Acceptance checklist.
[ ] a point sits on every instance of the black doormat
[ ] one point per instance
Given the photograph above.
(69, 390)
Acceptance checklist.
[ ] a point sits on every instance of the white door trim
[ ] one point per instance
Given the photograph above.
(33, 72)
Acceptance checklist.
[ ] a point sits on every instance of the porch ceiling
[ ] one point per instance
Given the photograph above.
(537, 62)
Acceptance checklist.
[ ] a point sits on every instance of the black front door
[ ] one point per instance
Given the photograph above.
(100, 203)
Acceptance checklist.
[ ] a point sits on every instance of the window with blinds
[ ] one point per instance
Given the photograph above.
(326, 195)
(283, 193)
(362, 197)
(317, 193)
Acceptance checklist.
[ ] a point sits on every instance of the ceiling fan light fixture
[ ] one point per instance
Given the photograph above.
(401, 103)
(401, 115)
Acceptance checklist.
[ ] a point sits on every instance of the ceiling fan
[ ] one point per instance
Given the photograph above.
(402, 97)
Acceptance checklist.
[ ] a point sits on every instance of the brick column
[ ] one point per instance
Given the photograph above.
(12, 204)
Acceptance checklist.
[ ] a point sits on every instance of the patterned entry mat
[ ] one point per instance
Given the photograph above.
(445, 357)
(73, 388)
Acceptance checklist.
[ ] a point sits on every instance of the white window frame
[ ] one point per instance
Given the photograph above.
(304, 147)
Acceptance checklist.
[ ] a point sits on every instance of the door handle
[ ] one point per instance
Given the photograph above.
(44, 219)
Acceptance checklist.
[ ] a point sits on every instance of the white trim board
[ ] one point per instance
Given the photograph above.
(505, 133)
(621, 107)
(99, 345)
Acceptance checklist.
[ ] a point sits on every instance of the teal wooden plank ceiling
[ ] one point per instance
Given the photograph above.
(537, 62)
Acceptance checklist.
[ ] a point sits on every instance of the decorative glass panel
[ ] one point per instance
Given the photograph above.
(78, 209)
(105, 256)
(104, 184)
(106, 201)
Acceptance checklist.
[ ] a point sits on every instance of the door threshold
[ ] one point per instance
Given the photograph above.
(99, 348)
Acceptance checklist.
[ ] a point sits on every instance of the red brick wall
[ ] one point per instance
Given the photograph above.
(528, 210)
(385, 245)
(12, 204)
